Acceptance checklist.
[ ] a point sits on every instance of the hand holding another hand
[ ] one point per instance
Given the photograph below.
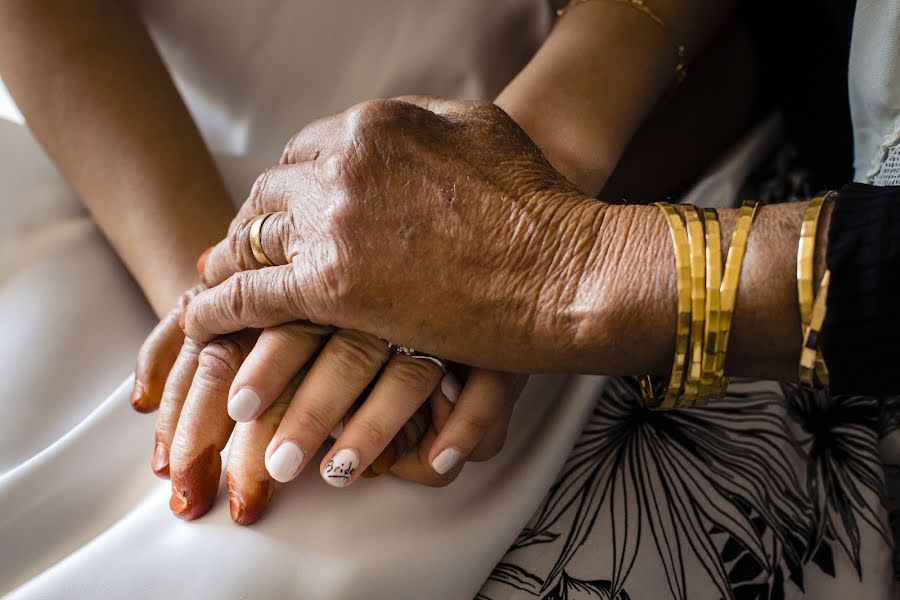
(289, 387)
(436, 224)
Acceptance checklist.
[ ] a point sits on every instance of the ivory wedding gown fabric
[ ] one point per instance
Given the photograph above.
(81, 515)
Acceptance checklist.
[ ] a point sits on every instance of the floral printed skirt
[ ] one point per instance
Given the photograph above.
(773, 492)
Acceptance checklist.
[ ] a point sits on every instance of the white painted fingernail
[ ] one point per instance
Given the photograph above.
(243, 406)
(445, 461)
(340, 468)
(338, 429)
(451, 387)
(284, 464)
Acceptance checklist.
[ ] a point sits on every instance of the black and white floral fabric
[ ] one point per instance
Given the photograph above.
(773, 492)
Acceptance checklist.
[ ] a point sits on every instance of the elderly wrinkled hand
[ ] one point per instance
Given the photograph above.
(436, 224)
(291, 385)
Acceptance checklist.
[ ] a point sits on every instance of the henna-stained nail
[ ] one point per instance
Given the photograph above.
(160, 462)
(248, 507)
(139, 398)
(194, 488)
(201, 262)
(181, 319)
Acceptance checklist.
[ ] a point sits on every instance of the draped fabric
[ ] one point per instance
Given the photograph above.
(770, 493)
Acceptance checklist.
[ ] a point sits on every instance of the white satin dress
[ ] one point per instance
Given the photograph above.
(81, 515)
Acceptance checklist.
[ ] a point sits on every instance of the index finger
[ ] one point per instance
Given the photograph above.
(248, 299)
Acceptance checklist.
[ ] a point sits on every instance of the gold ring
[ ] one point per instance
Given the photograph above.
(256, 246)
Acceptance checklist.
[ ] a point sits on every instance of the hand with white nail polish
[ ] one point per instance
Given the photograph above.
(284, 462)
(285, 387)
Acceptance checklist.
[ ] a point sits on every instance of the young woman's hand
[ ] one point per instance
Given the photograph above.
(291, 386)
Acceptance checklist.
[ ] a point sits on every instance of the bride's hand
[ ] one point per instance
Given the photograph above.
(193, 385)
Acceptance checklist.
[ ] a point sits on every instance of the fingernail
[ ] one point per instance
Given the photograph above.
(338, 429)
(340, 468)
(244, 405)
(451, 387)
(248, 502)
(201, 262)
(181, 320)
(178, 503)
(160, 462)
(194, 488)
(284, 464)
(445, 461)
(138, 397)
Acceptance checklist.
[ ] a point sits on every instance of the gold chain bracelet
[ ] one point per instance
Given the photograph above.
(642, 7)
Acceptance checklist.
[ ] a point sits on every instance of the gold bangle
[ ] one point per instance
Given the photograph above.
(811, 337)
(641, 6)
(730, 280)
(806, 249)
(711, 330)
(679, 235)
(697, 247)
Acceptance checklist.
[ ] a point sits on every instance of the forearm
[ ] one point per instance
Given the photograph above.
(97, 96)
(630, 274)
(598, 76)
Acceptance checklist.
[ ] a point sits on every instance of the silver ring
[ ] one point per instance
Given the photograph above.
(396, 349)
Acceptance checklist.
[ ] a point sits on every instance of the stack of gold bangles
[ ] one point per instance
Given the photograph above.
(706, 295)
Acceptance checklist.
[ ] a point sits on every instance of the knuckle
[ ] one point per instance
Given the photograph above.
(475, 423)
(234, 296)
(219, 361)
(314, 417)
(375, 432)
(367, 111)
(414, 374)
(239, 246)
(374, 117)
(287, 155)
(258, 190)
(331, 169)
(354, 348)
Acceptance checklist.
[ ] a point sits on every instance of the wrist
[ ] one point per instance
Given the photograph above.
(581, 98)
(625, 302)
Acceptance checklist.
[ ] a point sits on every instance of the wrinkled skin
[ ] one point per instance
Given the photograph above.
(437, 224)
(190, 382)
